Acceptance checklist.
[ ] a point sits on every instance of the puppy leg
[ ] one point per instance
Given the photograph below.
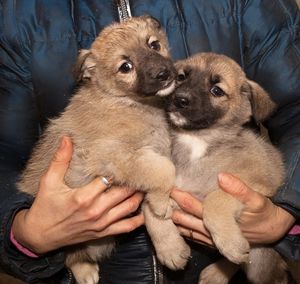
(155, 175)
(219, 272)
(171, 249)
(83, 261)
(220, 212)
(266, 266)
(86, 272)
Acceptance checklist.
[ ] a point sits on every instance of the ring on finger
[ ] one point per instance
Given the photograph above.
(107, 181)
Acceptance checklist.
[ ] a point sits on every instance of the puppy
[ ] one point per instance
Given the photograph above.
(118, 128)
(209, 112)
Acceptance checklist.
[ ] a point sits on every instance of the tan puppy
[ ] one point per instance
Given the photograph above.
(119, 130)
(209, 112)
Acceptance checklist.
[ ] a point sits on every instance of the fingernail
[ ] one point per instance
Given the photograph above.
(63, 143)
(224, 178)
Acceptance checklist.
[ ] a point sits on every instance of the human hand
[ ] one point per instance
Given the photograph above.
(189, 220)
(261, 221)
(61, 216)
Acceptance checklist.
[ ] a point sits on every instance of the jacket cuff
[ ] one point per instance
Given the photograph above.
(11, 259)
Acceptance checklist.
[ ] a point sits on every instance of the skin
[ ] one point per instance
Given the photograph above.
(261, 222)
(65, 216)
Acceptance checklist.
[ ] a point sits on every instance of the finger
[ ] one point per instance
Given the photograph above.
(105, 202)
(60, 161)
(190, 222)
(122, 210)
(115, 195)
(87, 194)
(188, 202)
(123, 226)
(236, 188)
(195, 236)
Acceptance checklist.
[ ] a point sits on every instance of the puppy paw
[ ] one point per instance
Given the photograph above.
(86, 273)
(212, 275)
(160, 206)
(174, 256)
(235, 248)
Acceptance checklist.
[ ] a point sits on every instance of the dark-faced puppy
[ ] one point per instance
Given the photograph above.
(208, 111)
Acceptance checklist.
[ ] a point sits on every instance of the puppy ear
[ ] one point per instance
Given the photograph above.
(85, 66)
(153, 21)
(261, 103)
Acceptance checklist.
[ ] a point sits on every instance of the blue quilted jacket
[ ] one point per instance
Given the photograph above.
(39, 41)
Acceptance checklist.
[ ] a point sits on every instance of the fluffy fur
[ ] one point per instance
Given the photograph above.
(209, 112)
(118, 128)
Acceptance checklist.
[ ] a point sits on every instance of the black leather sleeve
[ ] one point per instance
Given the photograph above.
(13, 261)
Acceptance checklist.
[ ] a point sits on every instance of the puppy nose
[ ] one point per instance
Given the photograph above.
(163, 75)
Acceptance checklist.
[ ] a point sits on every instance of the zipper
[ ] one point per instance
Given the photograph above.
(158, 274)
(123, 10)
(70, 277)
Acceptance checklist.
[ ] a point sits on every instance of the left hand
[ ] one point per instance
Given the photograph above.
(261, 221)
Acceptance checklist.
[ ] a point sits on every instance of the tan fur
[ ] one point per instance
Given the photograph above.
(117, 131)
(227, 146)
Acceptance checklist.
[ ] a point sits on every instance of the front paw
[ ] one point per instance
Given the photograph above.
(160, 205)
(235, 248)
(86, 273)
(174, 256)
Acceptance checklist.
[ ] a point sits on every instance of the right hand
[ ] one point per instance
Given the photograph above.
(61, 216)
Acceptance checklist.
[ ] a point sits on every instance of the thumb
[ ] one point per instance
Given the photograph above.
(235, 187)
(60, 161)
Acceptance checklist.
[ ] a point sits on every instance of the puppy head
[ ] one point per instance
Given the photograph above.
(130, 58)
(214, 91)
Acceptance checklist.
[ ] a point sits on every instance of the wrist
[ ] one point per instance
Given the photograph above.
(23, 234)
(285, 222)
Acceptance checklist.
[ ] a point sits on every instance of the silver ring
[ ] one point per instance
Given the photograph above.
(106, 181)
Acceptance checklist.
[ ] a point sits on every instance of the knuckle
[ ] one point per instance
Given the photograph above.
(133, 205)
(130, 226)
(261, 202)
(100, 225)
(92, 214)
(80, 200)
(186, 203)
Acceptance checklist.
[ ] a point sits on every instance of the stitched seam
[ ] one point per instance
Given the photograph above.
(240, 31)
(182, 24)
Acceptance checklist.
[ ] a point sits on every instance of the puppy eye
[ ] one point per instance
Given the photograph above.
(126, 67)
(217, 91)
(155, 45)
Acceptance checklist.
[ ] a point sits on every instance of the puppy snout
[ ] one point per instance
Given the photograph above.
(181, 102)
(163, 75)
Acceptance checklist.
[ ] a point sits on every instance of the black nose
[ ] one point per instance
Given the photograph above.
(163, 75)
(180, 102)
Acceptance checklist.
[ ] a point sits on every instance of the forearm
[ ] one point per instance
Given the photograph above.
(11, 259)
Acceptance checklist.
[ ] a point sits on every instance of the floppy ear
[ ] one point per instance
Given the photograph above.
(261, 103)
(85, 66)
(153, 21)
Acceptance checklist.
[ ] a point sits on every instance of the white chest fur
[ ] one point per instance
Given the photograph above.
(196, 145)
